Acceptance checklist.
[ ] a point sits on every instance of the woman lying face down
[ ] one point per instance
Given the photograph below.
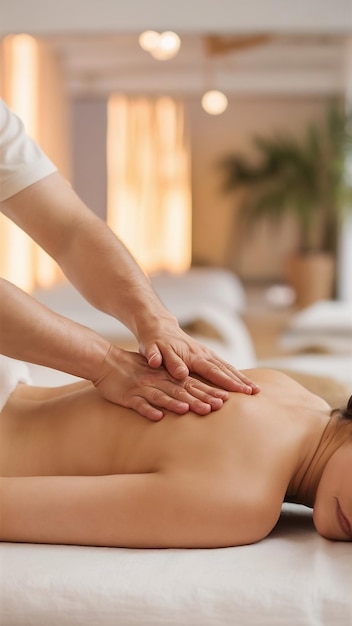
(79, 470)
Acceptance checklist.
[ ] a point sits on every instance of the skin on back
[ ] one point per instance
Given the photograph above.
(185, 481)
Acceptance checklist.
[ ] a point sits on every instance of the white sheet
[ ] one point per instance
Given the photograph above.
(11, 373)
(294, 577)
(325, 325)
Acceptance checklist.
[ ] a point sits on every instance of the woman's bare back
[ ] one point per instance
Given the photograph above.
(250, 446)
(74, 431)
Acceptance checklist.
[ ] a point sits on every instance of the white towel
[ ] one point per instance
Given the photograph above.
(11, 373)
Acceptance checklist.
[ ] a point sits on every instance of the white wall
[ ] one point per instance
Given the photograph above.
(344, 283)
(88, 139)
(51, 16)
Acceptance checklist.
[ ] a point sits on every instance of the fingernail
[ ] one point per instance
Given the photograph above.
(216, 403)
(204, 407)
(221, 394)
(183, 406)
(156, 415)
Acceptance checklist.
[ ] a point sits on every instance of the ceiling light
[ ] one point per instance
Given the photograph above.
(214, 102)
(148, 40)
(162, 46)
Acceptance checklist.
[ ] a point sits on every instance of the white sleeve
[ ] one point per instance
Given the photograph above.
(22, 161)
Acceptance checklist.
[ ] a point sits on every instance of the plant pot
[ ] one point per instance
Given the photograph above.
(312, 277)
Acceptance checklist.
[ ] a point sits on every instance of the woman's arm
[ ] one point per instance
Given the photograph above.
(137, 511)
(106, 274)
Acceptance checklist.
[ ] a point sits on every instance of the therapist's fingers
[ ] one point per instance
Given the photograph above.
(126, 379)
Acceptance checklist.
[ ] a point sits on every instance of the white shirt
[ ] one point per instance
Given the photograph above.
(22, 161)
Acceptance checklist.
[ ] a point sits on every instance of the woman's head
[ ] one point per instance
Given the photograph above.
(332, 513)
(344, 420)
(345, 413)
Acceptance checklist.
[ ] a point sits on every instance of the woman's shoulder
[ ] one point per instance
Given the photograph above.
(295, 384)
(268, 375)
(225, 511)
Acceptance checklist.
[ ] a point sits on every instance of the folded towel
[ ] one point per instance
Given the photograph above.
(11, 373)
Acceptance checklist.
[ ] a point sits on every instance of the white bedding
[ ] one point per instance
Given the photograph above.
(294, 577)
(325, 325)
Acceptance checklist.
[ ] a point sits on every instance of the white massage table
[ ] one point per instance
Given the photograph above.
(294, 577)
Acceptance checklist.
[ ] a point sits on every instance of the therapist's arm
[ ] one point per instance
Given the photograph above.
(31, 332)
(105, 273)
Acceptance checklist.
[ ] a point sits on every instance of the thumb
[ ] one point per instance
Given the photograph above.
(152, 354)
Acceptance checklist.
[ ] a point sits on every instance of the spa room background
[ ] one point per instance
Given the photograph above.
(277, 84)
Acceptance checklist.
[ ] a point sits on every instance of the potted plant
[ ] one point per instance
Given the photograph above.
(307, 178)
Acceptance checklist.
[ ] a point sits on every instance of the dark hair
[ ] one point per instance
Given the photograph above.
(345, 413)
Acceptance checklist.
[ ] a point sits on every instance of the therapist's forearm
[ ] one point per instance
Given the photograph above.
(108, 276)
(31, 332)
(91, 256)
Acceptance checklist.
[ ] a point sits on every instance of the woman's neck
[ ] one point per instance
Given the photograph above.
(321, 443)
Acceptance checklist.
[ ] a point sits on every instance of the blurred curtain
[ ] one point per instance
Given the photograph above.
(33, 87)
(149, 188)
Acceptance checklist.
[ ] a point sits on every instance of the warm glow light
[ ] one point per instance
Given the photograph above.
(149, 198)
(162, 46)
(22, 52)
(167, 46)
(214, 102)
(23, 89)
(148, 40)
(177, 232)
(21, 260)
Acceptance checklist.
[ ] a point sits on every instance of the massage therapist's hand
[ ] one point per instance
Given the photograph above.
(126, 379)
(182, 355)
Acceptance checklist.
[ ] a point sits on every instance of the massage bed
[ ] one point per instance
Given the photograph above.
(293, 577)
